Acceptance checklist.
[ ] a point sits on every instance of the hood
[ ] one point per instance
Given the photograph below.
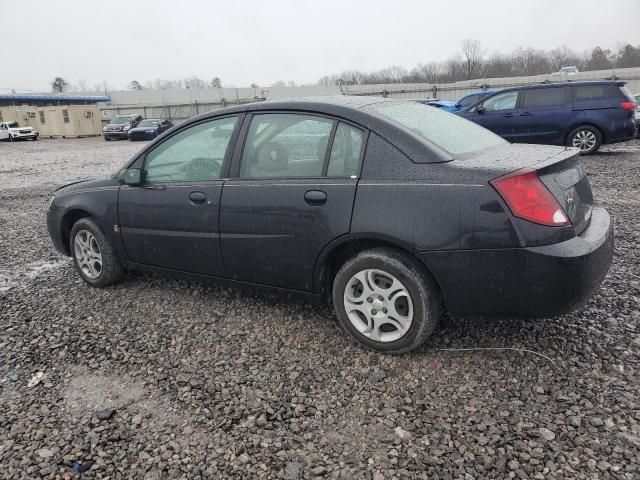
(144, 129)
(17, 129)
(87, 184)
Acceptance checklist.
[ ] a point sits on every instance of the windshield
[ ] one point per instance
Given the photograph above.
(120, 120)
(149, 123)
(13, 125)
(448, 131)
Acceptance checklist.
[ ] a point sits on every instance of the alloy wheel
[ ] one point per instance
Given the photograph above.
(378, 305)
(585, 140)
(87, 253)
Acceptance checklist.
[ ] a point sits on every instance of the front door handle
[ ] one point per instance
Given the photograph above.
(197, 197)
(315, 197)
(526, 114)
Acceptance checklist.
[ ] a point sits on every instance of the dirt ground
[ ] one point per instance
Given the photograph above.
(157, 378)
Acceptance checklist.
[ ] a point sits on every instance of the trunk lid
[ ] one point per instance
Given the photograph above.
(558, 168)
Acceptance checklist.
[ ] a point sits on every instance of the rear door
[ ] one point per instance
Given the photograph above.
(544, 115)
(293, 193)
(171, 219)
(498, 113)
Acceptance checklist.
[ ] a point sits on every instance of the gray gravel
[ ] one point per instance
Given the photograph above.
(158, 378)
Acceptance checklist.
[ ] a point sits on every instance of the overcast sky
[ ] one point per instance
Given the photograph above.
(264, 41)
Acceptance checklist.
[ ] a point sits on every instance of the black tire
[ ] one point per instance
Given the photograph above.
(107, 138)
(422, 289)
(578, 138)
(111, 270)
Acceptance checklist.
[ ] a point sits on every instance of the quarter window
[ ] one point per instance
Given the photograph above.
(194, 154)
(345, 151)
(502, 101)
(589, 92)
(544, 97)
(285, 145)
(65, 116)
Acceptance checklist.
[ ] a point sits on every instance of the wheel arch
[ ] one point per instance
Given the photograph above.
(585, 124)
(341, 249)
(66, 224)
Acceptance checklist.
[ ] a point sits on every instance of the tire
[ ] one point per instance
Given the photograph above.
(587, 138)
(88, 240)
(414, 304)
(107, 139)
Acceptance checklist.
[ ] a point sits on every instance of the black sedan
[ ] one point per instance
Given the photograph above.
(392, 210)
(149, 129)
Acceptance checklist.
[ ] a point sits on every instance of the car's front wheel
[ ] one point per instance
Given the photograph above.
(385, 301)
(588, 139)
(93, 255)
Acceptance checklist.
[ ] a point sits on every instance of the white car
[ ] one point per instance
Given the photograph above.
(13, 131)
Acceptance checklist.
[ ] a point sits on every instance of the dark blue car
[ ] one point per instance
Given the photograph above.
(579, 114)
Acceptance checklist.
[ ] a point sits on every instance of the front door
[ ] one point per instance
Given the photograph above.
(171, 220)
(293, 194)
(498, 113)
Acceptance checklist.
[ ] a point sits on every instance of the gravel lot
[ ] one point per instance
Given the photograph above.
(158, 378)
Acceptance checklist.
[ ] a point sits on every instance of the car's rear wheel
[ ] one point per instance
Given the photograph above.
(93, 255)
(385, 301)
(588, 139)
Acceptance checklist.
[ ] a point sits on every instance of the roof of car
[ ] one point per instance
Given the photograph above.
(561, 84)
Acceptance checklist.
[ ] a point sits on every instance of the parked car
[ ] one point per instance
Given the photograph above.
(470, 99)
(445, 105)
(13, 131)
(149, 129)
(585, 115)
(572, 70)
(391, 209)
(119, 126)
(637, 99)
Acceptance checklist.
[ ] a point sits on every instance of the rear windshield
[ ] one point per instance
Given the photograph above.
(446, 130)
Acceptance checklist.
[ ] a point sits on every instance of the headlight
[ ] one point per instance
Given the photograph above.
(126, 127)
(104, 129)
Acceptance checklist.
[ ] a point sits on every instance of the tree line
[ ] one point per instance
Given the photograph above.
(471, 62)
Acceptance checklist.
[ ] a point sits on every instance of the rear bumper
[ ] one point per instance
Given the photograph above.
(529, 282)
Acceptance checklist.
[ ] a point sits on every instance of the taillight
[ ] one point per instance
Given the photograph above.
(528, 198)
(631, 106)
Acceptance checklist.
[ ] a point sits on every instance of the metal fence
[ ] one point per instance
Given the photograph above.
(178, 105)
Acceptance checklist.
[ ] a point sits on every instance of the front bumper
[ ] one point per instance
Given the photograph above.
(530, 282)
(18, 136)
(142, 135)
(115, 134)
(54, 226)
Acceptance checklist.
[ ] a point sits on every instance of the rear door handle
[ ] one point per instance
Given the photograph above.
(197, 197)
(508, 115)
(526, 114)
(315, 197)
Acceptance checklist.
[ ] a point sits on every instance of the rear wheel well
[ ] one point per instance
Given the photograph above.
(590, 125)
(68, 220)
(349, 249)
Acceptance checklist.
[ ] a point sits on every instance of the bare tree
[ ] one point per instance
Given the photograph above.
(279, 83)
(216, 82)
(472, 53)
(59, 84)
(135, 85)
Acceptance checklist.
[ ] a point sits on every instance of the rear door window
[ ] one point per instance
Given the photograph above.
(345, 151)
(285, 145)
(544, 97)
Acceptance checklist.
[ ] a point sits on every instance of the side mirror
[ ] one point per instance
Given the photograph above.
(131, 176)
(480, 109)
